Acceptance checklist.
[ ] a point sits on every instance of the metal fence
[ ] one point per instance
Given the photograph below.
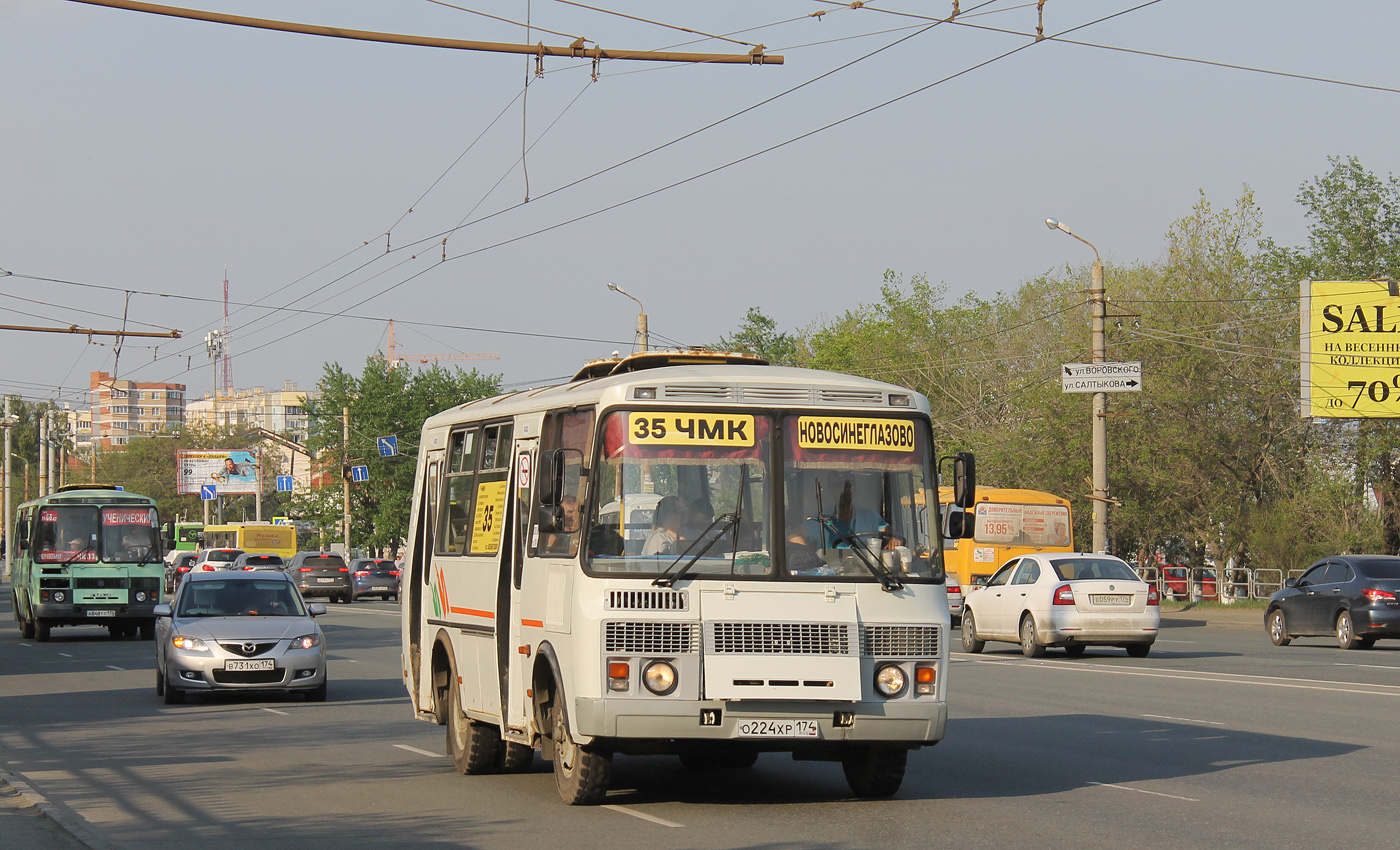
(1196, 584)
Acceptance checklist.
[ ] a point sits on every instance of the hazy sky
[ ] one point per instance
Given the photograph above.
(143, 153)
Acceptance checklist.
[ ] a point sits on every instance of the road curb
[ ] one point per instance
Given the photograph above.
(71, 822)
(1244, 618)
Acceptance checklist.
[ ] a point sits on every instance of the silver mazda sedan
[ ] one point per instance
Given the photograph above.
(239, 631)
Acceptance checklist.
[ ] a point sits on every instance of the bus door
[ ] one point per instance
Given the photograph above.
(419, 574)
(516, 603)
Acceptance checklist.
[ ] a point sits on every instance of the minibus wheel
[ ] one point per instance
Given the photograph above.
(581, 773)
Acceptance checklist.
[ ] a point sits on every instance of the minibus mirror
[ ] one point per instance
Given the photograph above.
(551, 483)
(964, 479)
(22, 532)
(167, 534)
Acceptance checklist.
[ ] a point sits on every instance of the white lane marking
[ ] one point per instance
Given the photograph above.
(644, 816)
(430, 755)
(370, 613)
(1206, 676)
(1184, 719)
(65, 655)
(1372, 666)
(1141, 791)
(1164, 640)
(22, 643)
(275, 711)
(114, 667)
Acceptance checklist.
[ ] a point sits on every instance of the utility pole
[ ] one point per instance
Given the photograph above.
(345, 477)
(257, 494)
(9, 511)
(1099, 304)
(43, 452)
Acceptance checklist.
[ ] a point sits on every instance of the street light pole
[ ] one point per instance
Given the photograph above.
(641, 317)
(1100, 419)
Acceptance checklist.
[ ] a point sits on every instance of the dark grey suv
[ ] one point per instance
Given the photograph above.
(321, 574)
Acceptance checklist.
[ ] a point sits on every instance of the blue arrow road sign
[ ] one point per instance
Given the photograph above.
(388, 446)
(284, 483)
(208, 492)
(359, 473)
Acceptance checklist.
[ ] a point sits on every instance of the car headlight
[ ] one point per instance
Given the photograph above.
(659, 677)
(890, 680)
(189, 644)
(305, 642)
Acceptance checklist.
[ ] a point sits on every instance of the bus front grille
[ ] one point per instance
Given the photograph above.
(104, 583)
(744, 638)
(650, 638)
(647, 600)
(900, 641)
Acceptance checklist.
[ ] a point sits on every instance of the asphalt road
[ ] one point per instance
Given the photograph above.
(1218, 739)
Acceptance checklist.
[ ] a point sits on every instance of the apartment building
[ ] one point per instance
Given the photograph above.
(279, 411)
(120, 410)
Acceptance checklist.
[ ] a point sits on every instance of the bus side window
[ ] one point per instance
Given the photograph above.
(571, 431)
(458, 487)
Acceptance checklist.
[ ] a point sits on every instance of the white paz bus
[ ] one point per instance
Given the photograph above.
(686, 553)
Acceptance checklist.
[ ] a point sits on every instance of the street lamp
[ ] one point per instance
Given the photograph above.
(1100, 420)
(641, 315)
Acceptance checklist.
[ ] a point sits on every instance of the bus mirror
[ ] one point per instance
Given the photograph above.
(22, 532)
(167, 534)
(964, 479)
(959, 525)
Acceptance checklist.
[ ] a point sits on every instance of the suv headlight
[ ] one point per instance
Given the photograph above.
(189, 644)
(305, 642)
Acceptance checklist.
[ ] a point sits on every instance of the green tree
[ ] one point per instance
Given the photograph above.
(381, 402)
(759, 334)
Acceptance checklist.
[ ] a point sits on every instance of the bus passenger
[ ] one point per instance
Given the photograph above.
(664, 538)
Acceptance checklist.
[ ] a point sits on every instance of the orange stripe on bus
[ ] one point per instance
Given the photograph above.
(473, 612)
(539, 624)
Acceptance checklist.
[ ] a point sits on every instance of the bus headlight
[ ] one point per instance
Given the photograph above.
(140, 596)
(890, 680)
(59, 596)
(659, 677)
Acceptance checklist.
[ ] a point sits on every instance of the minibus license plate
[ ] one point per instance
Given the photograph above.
(101, 612)
(253, 664)
(1111, 599)
(778, 729)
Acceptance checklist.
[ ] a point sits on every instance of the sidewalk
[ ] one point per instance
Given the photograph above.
(1184, 614)
(24, 825)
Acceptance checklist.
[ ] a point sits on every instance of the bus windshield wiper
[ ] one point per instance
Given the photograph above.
(76, 555)
(877, 569)
(728, 521)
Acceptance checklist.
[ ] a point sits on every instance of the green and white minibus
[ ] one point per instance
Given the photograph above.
(87, 555)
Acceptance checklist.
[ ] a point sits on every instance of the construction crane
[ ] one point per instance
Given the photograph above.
(393, 358)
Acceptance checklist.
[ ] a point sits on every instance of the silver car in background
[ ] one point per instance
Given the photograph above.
(239, 631)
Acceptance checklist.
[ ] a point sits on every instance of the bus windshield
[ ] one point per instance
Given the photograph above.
(66, 534)
(129, 535)
(678, 487)
(857, 492)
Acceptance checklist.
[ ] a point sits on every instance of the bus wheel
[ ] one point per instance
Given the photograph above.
(148, 630)
(473, 746)
(516, 758)
(875, 771)
(26, 629)
(41, 631)
(581, 773)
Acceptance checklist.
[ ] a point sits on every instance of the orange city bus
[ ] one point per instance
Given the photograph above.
(1006, 523)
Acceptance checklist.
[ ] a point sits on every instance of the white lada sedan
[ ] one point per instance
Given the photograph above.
(1067, 599)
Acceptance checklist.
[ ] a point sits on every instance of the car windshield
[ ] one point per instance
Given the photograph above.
(676, 487)
(1071, 569)
(858, 483)
(239, 599)
(222, 555)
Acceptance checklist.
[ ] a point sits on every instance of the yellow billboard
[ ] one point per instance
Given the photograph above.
(1349, 343)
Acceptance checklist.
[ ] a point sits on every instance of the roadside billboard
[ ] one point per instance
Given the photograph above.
(1349, 347)
(233, 472)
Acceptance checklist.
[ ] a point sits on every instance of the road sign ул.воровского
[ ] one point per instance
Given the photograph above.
(1125, 377)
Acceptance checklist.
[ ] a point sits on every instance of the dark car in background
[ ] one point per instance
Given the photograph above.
(374, 577)
(322, 574)
(1354, 598)
(177, 568)
(259, 561)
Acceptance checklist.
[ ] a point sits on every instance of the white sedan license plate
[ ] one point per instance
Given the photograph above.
(101, 612)
(778, 729)
(1111, 599)
(325, 580)
(251, 664)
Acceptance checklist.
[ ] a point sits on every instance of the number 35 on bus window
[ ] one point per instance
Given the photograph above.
(693, 429)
